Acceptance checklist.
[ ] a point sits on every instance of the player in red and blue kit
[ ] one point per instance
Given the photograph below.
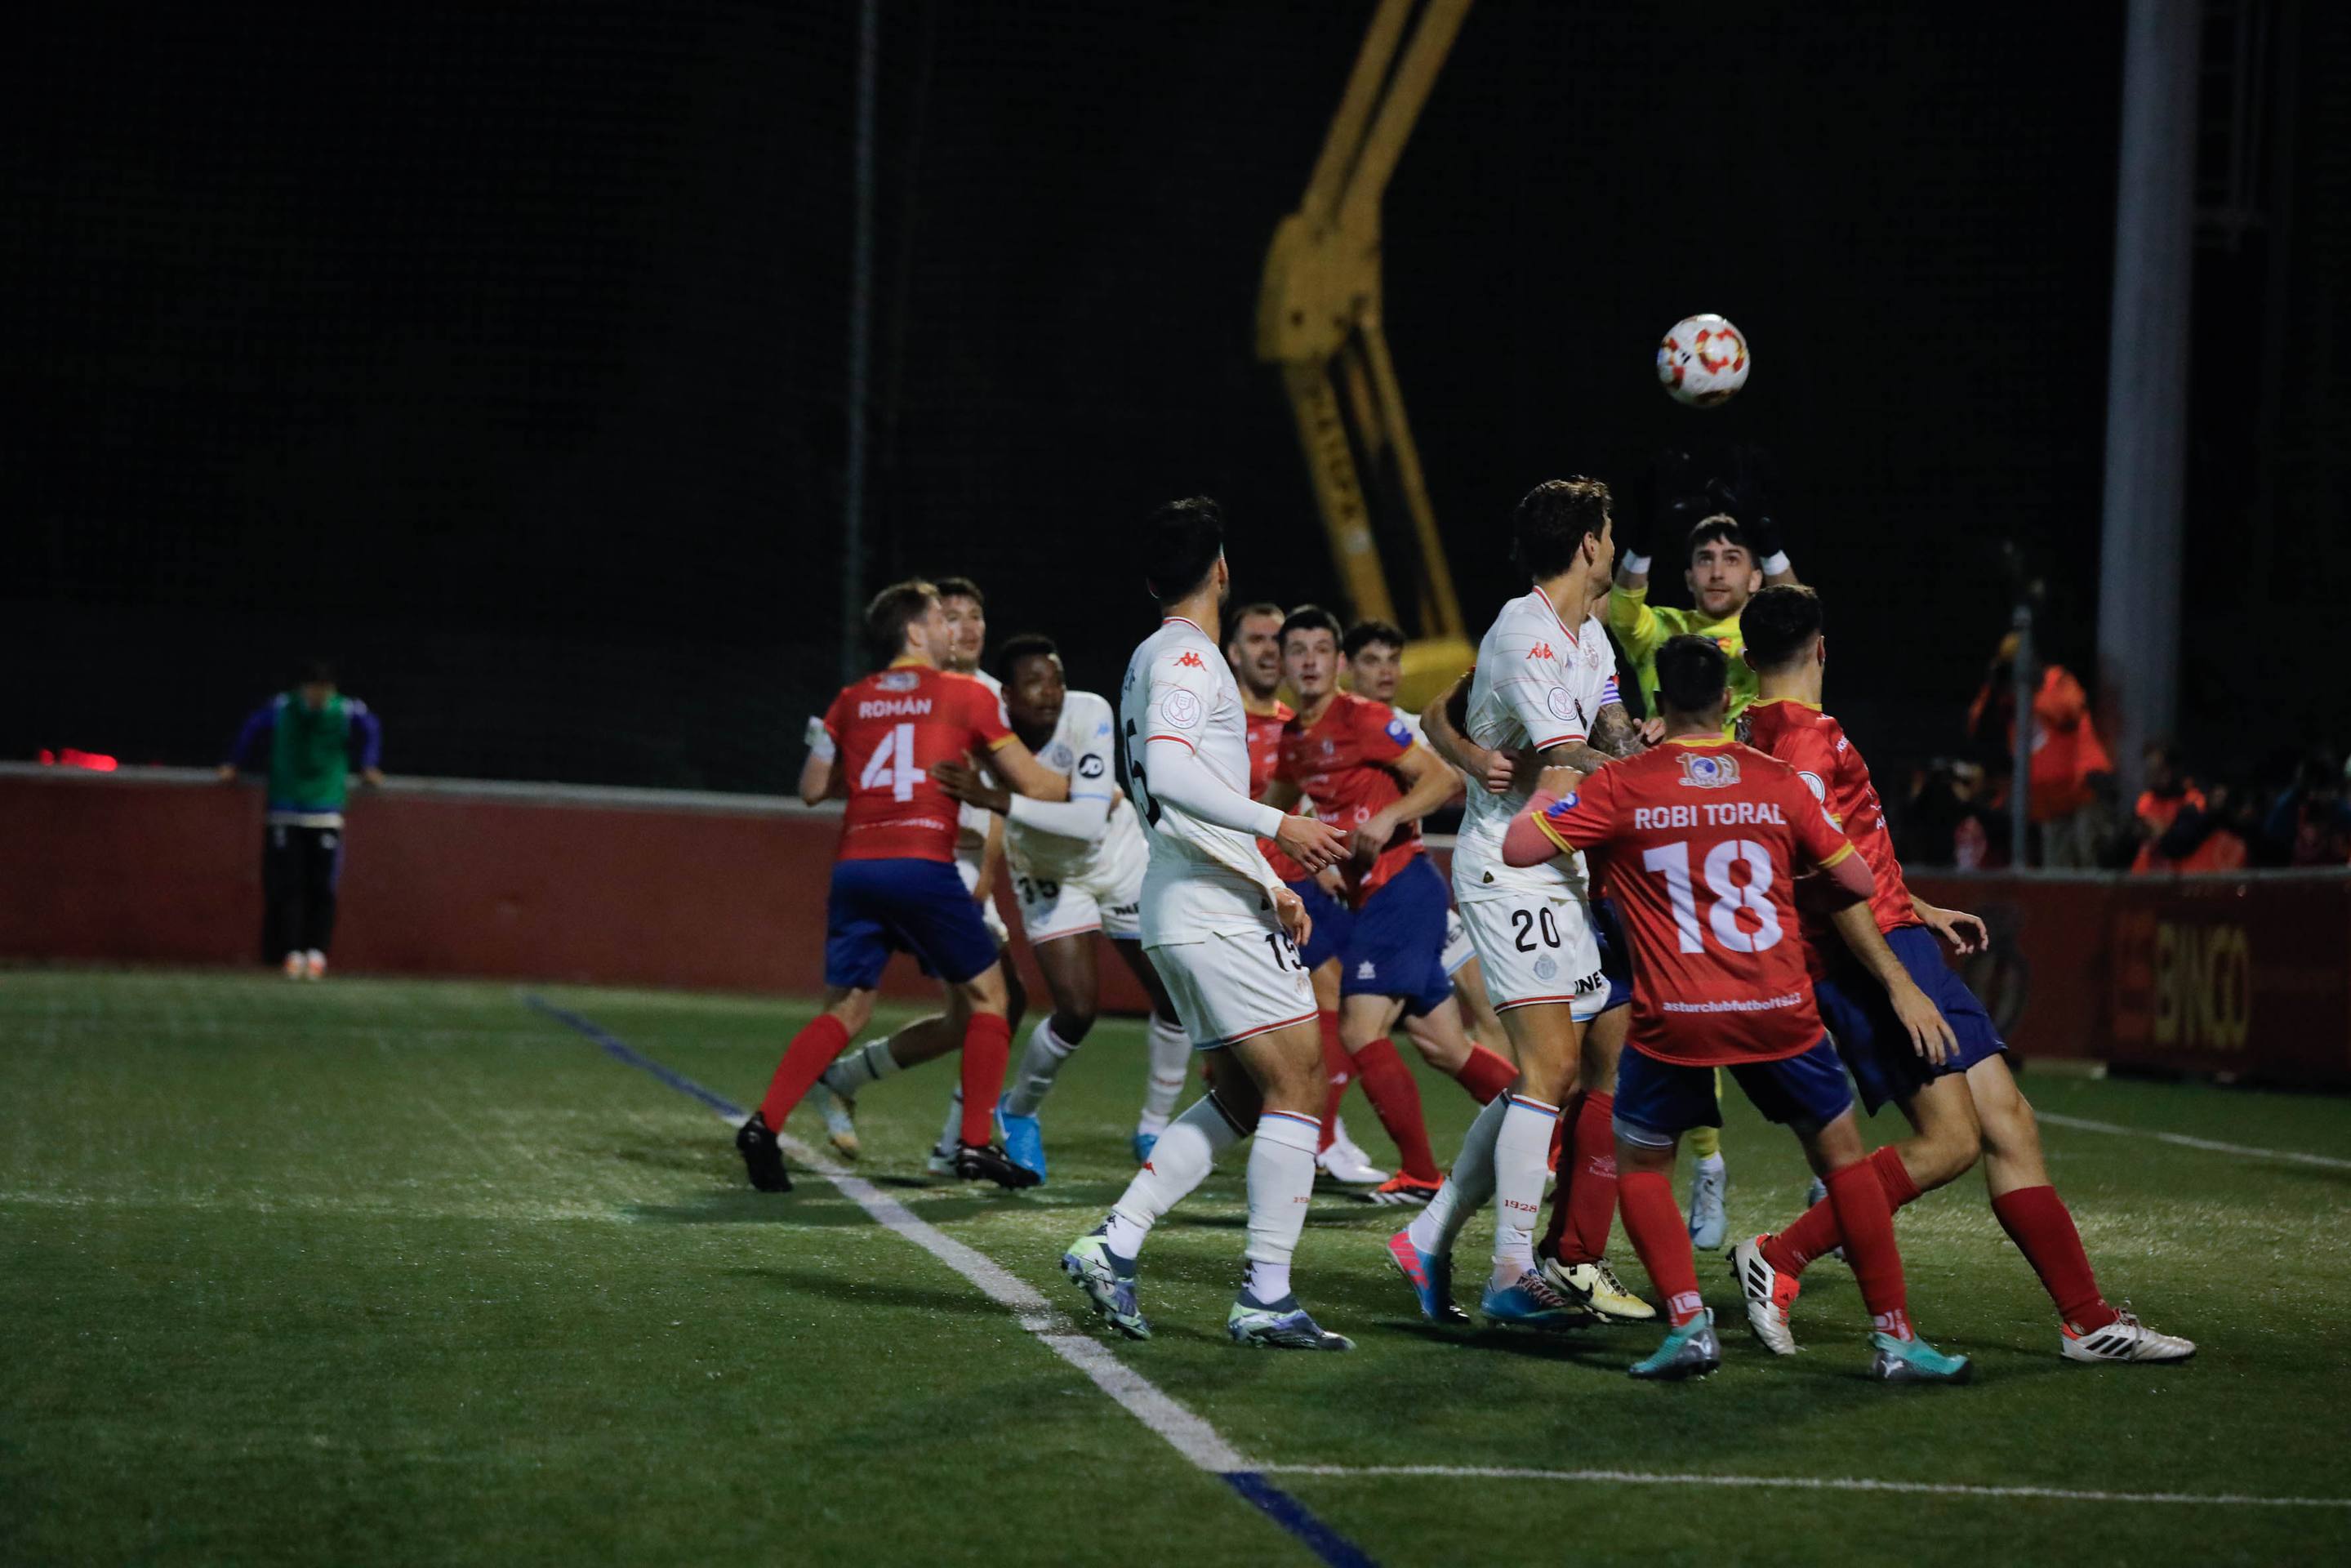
(1366, 774)
(895, 885)
(1699, 842)
(1963, 1104)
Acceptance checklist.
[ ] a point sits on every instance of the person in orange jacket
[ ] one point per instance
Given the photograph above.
(2067, 756)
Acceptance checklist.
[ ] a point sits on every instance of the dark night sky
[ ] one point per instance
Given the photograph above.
(498, 350)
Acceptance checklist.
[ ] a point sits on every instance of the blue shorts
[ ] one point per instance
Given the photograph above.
(1656, 1102)
(1615, 954)
(1332, 922)
(1398, 946)
(1872, 1040)
(879, 907)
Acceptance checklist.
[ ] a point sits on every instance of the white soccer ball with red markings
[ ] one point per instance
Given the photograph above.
(1703, 361)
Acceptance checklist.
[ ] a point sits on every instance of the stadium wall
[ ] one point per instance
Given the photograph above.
(2246, 975)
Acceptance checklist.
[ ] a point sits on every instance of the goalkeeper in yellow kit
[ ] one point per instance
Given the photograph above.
(1730, 549)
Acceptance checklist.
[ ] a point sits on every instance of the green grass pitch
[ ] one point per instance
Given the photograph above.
(391, 1272)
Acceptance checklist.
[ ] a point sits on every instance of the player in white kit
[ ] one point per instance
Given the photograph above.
(1078, 869)
(979, 854)
(1224, 936)
(1543, 671)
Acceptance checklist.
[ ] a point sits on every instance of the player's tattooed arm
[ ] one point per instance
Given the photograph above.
(1615, 733)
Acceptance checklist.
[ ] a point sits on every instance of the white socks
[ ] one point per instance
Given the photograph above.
(1171, 1062)
(1179, 1161)
(951, 1132)
(1040, 1061)
(869, 1063)
(1521, 1159)
(1471, 1182)
(1711, 1165)
(1281, 1181)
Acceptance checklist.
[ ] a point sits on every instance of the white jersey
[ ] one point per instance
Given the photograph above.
(1538, 685)
(972, 821)
(1203, 879)
(1082, 750)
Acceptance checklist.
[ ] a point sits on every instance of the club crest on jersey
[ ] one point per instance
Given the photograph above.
(1546, 968)
(1191, 660)
(1702, 770)
(1059, 758)
(896, 681)
(1180, 707)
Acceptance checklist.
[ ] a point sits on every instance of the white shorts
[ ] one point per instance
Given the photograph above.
(969, 871)
(1231, 986)
(1050, 909)
(1537, 948)
(1459, 949)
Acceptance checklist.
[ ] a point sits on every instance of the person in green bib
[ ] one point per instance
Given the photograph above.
(1730, 549)
(313, 734)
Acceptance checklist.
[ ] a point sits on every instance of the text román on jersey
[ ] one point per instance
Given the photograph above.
(1265, 760)
(1342, 765)
(890, 728)
(1830, 765)
(1699, 843)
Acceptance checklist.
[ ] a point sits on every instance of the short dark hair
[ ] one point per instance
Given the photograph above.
(317, 671)
(1363, 634)
(1780, 623)
(1691, 670)
(1180, 547)
(1233, 617)
(1551, 522)
(1027, 646)
(1722, 526)
(1309, 617)
(959, 588)
(889, 614)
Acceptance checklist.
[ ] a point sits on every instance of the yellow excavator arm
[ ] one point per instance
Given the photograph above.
(1319, 320)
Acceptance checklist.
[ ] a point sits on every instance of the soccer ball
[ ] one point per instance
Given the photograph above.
(1703, 361)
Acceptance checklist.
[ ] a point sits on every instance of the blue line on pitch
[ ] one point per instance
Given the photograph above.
(1260, 1493)
(1293, 1516)
(619, 1050)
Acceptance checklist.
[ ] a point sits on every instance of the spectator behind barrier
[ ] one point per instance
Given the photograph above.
(2067, 756)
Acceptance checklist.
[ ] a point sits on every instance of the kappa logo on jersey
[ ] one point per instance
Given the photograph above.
(897, 681)
(1191, 660)
(1540, 651)
(1367, 970)
(1180, 707)
(1702, 771)
(1090, 766)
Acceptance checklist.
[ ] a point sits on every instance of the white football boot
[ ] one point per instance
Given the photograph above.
(1345, 1162)
(1769, 1294)
(2124, 1339)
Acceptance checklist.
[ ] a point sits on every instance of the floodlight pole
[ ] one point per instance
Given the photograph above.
(2146, 380)
(2020, 777)
(860, 352)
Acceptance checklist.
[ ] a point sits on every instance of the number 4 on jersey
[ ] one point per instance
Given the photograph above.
(892, 766)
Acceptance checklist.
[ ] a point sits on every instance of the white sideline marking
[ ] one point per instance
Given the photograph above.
(2210, 1146)
(1144, 1400)
(1800, 1483)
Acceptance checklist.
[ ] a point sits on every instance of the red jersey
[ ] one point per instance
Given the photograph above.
(1342, 765)
(1699, 842)
(1814, 745)
(1265, 759)
(890, 729)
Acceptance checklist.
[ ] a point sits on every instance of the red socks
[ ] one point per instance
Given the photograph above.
(1867, 1221)
(1388, 1085)
(1653, 1221)
(1584, 1205)
(1486, 1074)
(1338, 1069)
(805, 1060)
(986, 1048)
(1815, 1232)
(2036, 1219)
